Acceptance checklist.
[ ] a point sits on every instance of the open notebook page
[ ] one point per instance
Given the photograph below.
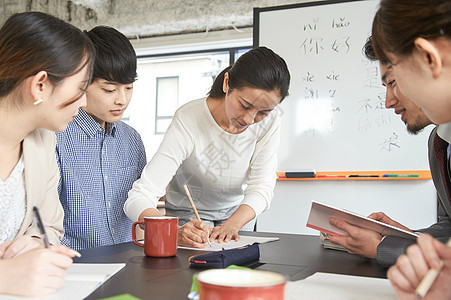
(80, 281)
(339, 287)
(244, 241)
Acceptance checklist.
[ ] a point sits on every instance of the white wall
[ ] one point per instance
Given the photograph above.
(410, 202)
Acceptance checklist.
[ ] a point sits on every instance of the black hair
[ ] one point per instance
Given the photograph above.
(398, 23)
(31, 42)
(258, 68)
(115, 57)
(368, 50)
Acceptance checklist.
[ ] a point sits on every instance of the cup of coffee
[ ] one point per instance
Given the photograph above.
(160, 236)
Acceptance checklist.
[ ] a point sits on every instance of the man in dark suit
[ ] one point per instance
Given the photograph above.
(386, 249)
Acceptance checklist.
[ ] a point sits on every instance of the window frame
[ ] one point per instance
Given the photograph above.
(158, 48)
(165, 117)
(232, 52)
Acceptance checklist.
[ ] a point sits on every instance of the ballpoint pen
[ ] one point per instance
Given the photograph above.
(41, 227)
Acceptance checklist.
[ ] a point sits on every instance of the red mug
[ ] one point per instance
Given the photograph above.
(224, 284)
(160, 236)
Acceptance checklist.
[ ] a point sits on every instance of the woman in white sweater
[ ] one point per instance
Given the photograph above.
(223, 147)
(45, 70)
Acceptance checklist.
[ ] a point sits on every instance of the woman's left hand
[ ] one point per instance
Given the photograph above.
(18, 246)
(224, 233)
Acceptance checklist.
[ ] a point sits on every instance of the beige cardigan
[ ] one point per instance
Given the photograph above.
(41, 183)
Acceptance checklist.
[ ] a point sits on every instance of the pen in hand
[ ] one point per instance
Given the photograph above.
(41, 227)
(45, 238)
(194, 207)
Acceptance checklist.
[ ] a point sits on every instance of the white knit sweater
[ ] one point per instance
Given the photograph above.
(221, 169)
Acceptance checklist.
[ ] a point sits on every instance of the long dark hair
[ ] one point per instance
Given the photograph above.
(31, 42)
(258, 68)
(399, 22)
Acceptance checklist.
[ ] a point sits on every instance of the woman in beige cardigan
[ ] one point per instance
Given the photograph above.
(45, 70)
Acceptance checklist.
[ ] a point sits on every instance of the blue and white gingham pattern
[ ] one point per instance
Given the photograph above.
(97, 169)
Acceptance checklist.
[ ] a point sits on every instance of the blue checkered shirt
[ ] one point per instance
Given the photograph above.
(97, 168)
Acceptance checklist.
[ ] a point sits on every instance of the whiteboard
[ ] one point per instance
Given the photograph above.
(335, 117)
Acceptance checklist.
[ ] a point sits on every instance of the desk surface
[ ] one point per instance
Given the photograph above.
(296, 256)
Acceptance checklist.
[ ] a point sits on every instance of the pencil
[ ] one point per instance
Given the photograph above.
(429, 278)
(194, 207)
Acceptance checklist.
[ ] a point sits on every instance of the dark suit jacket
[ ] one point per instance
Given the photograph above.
(392, 247)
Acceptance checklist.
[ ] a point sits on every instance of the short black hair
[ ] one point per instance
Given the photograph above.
(115, 57)
(368, 50)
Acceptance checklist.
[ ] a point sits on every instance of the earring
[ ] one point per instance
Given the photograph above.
(38, 101)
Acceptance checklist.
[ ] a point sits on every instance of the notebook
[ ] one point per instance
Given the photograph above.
(80, 281)
(320, 214)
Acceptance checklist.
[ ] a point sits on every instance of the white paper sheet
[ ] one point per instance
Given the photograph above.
(339, 287)
(244, 241)
(80, 281)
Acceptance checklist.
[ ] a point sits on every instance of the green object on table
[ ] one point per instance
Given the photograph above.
(195, 287)
(122, 297)
(237, 267)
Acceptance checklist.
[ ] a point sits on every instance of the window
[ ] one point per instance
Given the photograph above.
(166, 102)
(167, 80)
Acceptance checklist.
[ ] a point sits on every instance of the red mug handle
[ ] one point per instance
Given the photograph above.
(134, 233)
